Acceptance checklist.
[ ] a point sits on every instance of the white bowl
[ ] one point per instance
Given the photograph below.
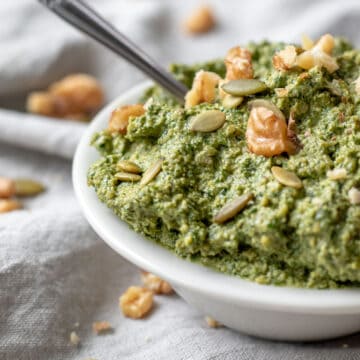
(267, 311)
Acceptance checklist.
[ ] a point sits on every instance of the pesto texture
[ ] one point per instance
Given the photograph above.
(308, 237)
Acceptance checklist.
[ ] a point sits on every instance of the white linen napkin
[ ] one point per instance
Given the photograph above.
(56, 275)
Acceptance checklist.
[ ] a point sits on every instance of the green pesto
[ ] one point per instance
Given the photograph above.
(307, 237)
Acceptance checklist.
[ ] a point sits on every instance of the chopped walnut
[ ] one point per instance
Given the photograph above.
(307, 43)
(201, 20)
(76, 96)
(203, 88)
(156, 284)
(285, 59)
(74, 338)
(7, 205)
(357, 86)
(136, 302)
(101, 327)
(319, 55)
(354, 196)
(120, 117)
(337, 174)
(212, 322)
(7, 187)
(43, 103)
(281, 92)
(267, 133)
(238, 64)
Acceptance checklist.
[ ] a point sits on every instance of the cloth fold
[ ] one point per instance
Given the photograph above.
(56, 275)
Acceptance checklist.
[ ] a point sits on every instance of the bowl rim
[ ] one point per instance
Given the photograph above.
(183, 273)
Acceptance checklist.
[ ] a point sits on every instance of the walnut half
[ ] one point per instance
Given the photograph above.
(267, 133)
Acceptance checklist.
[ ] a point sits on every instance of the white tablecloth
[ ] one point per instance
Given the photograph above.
(54, 270)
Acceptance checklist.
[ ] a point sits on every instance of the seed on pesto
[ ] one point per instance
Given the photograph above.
(286, 177)
(243, 87)
(232, 208)
(128, 177)
(128, 166)
(207, 121)
(151, 172)
(231, 102)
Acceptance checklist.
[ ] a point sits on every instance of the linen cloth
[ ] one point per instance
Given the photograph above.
(56, 275)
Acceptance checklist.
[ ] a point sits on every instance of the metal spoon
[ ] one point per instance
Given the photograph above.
(86, 19)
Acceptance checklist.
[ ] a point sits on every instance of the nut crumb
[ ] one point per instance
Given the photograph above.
(212, 322)
(337, 174)
(74, 338)
(101, 327)
(156, 284)
(136, 302)
(354, 196)
(200, 21)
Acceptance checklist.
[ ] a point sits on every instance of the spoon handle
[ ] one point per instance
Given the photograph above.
(86, 19)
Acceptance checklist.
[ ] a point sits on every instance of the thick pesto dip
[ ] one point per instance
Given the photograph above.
(302, 237)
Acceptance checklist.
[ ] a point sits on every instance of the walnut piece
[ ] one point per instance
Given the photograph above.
(7, 187)
(74, 338)
(203, 88)
(120, 117)
(101, 327)
(238, 64)
(136, 302)
(357, 86)
(7, 205)
(285, 59)
(201, 20)
(267, 133)
(319, 55)
(212, 322)
(76, 96)
(156, 284)
(354, 196)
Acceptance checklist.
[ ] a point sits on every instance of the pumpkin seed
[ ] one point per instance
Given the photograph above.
(232, 208)
(123, 176)
(28, 187)
(268, 105)
(128, 166)
(207, 121)
(151, 172)
(231, 102)
(286, 177)
(243, 87)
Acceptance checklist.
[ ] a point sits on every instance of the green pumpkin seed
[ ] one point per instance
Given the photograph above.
(123, 176)
(243, 87)
(286, 177)
(28, 187)
(128, 166)
(151, 172)
(268, 105)
(231, 102)
(207, 121)
(232, 208)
